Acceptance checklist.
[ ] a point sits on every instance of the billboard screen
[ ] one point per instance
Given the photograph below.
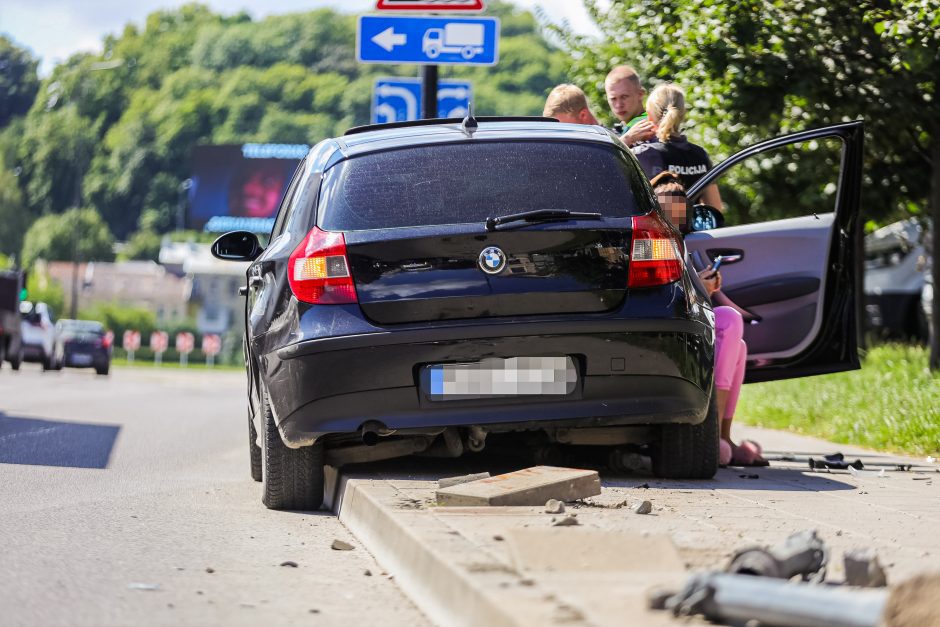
(239, 187)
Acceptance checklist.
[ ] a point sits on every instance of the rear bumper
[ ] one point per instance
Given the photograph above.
(629, 372)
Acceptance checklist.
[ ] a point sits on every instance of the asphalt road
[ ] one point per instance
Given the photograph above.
(126, 500)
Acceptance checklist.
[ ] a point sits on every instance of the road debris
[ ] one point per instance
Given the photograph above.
(863, 569)
(289, 563)
(836, 461)
(148, 587)
(530, 486)
(452, 481)
(554, 506)
(643, 507)
(867, 473)
(567, 521)
(740, 599)
(339, 545)
(802, 553)
(750, 476)
(210, 570)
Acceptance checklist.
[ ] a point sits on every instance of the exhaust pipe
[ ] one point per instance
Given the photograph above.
(371, 431)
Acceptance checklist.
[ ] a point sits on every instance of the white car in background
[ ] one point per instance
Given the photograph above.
(38, 333)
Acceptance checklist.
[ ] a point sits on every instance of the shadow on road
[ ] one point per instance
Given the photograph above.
(35, 442)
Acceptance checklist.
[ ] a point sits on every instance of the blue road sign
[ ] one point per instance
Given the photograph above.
(427, 40)
(400, 99)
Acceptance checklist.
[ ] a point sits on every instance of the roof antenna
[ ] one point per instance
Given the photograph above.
(469, 124)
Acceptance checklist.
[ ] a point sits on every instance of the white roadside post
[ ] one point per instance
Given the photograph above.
(184, 344)
(158, 343)
(130, 343)
(211, 345)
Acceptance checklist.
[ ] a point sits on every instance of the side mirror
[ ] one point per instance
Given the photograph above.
(706, 217)
(237, 246)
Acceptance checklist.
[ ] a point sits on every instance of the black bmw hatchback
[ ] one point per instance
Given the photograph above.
(428, 284)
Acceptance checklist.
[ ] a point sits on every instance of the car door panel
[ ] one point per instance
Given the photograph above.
(798, 274)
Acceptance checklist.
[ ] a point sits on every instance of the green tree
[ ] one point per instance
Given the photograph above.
(40, 288)
(143, 245)
(13, 214)
(77, 234)
(18, 80)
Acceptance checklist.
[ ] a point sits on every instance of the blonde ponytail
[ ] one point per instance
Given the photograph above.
(668, 100)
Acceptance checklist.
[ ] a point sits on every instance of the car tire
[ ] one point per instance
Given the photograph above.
(47, 363)
(103, 371)
(254, 451)
(292, 479)
(688, 451)
(17, 359)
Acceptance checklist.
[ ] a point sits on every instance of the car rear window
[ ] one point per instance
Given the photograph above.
(469, 182)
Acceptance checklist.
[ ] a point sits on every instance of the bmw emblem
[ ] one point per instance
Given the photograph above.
(492, 260)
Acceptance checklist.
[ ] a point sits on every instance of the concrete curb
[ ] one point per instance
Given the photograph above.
(422, 552)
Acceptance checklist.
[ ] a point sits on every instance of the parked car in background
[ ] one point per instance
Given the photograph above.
(894, 281)
(39, 334)
(83, 344)
(11, 346)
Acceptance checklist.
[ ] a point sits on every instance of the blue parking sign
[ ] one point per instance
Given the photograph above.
(427, 40)
(400, 99)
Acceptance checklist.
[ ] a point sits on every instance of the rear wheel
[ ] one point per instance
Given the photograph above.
(292, 479)
(688, 451)
(103, 370)
(254, 451)
(17, 358)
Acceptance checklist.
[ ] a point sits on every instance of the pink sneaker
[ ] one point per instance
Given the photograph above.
(724, 453)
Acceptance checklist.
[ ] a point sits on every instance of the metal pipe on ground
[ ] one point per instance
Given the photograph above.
(775, 602)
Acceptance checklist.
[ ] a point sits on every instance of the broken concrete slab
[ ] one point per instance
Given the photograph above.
(644, 507)
(863, 569)
(530, 486)
(447, 482)
(589, 550)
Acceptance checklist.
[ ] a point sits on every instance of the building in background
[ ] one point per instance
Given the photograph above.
(144, 284)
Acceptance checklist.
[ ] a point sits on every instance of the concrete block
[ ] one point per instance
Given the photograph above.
(447, 482)
(530, 486)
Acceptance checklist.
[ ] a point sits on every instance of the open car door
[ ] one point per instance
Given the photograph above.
(790, 259)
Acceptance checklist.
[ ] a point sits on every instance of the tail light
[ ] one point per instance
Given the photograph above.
(104, 342)
(655, 257)
(318, 270)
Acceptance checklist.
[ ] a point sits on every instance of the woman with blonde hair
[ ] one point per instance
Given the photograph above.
(670, 151)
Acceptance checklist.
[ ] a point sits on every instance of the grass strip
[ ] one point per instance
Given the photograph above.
(891, 404)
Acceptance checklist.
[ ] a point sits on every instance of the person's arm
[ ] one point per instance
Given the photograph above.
(711, 196)
(640, 132)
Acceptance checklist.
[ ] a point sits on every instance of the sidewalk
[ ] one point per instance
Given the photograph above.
(510, 566)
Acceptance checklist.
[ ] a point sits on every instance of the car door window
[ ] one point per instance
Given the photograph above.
(788, 248)
(287, 204)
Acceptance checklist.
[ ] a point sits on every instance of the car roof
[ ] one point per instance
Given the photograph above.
(397, 136)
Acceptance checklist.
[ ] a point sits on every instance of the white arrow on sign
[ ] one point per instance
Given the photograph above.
(411, 103)
(388, 39)
(457, 93)
(386, 111)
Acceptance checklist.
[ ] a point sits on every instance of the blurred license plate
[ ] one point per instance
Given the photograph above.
(489, 378)
(81, 360)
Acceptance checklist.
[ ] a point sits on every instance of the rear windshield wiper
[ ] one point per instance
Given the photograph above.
(540, 215)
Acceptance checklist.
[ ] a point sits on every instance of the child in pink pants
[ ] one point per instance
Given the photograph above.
(730, 357)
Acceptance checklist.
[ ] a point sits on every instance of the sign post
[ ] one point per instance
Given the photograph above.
(159, 340)
(211, 345)
(184, 345)
(131, 342)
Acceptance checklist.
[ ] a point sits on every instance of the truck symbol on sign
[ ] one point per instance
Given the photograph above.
(456, 37)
